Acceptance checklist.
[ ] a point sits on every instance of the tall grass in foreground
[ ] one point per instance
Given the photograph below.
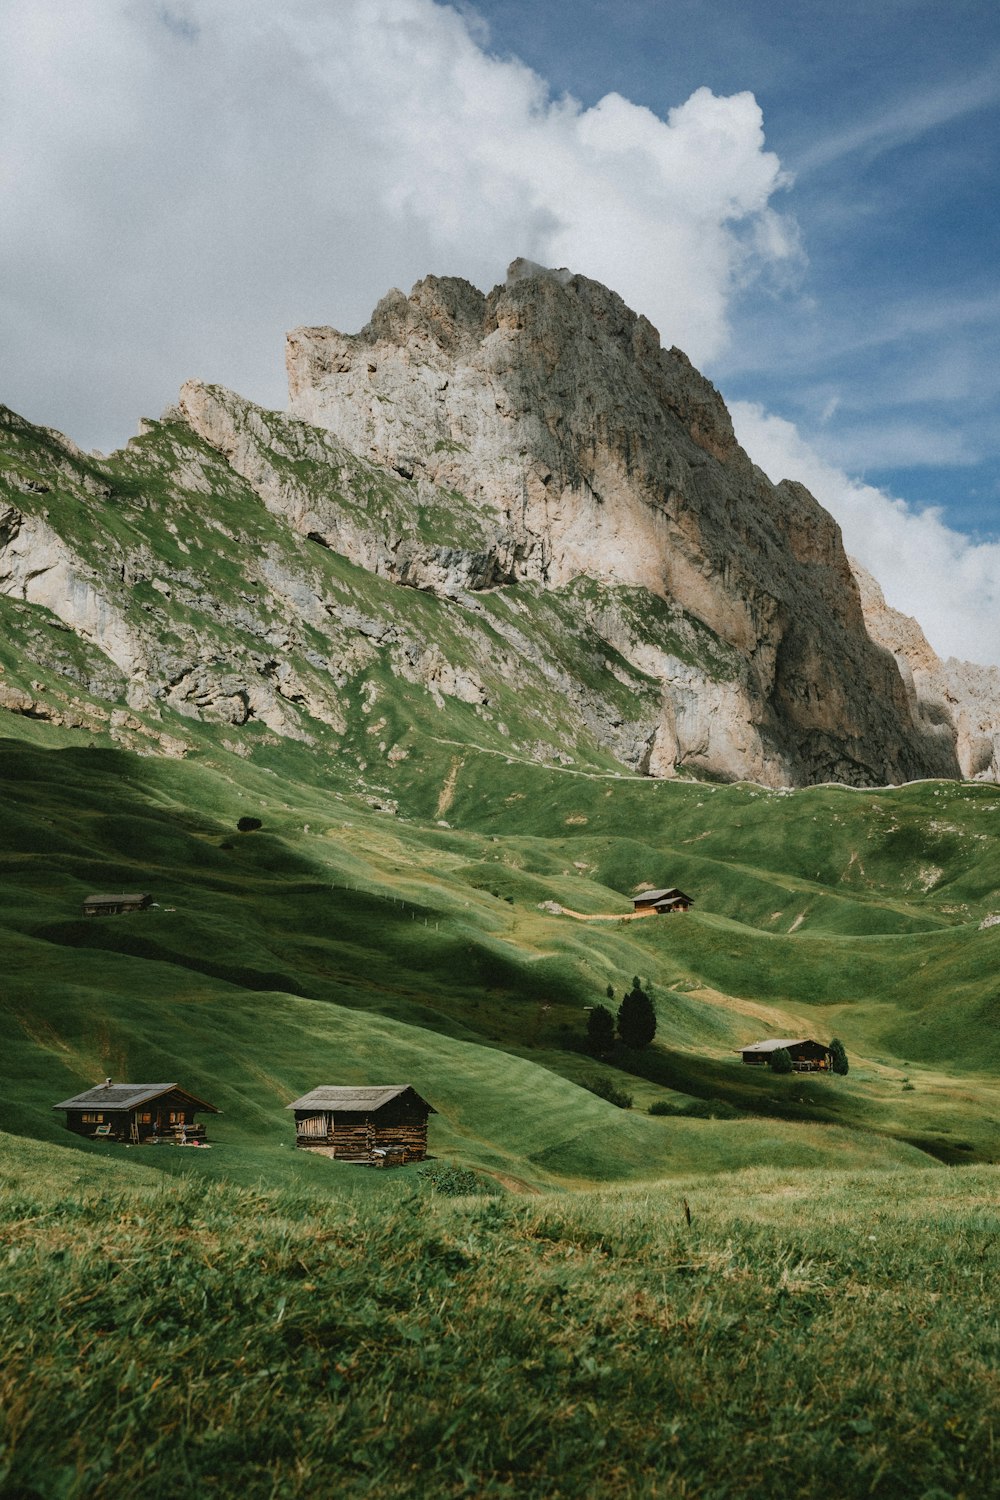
(801, 1336)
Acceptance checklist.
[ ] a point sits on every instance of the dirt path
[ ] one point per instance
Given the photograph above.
(605, 916)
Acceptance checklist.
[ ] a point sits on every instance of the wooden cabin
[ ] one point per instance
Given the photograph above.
(112, 906)
(385, 1124)
(662, 902)
(137, 1113)
(807, 1056)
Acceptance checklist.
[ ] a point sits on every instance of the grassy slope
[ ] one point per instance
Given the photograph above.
(240, 1340)
(338, 943)
(344, 944)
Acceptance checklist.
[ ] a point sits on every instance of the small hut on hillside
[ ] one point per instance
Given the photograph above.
(137, 1113)
(386, 1123)
(807, 1056)
(662, 902)
(112, 906)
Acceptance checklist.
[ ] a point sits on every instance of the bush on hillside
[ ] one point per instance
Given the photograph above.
(248, 825)
(606, 1088)
(636, 1018)
(839, 1061)
(781, 1061)
(456, 1182)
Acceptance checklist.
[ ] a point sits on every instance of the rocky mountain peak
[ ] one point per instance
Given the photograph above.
(588, 450)
(511, 516)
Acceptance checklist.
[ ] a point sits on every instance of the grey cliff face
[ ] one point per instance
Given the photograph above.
(957, 701)
(587, 450)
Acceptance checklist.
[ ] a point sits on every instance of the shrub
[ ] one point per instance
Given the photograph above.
(781, 1061)
(456, 1182)
(839, 1061)
(606, 1088)
(661, 1107)
(247, 825)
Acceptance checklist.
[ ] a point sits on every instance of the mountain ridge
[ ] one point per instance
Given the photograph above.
(604, 573)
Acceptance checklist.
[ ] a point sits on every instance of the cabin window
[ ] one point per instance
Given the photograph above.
(145, 1118)
(89, 1118)
(176, 1117)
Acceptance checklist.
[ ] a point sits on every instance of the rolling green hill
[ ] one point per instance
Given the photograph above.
(338, 943)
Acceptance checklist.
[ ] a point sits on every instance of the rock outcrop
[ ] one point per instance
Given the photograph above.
(513, 520)
(957, 701)
(587, 450)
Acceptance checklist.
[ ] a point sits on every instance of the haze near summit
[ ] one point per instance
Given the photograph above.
(184, 182)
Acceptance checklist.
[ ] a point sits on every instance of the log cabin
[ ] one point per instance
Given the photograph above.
(807, 1056)
(113, 906)
(663, 901)
(382, 1124)
(137, 1113)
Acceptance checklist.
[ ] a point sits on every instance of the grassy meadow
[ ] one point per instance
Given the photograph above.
(776, 1286)
(768, 1333)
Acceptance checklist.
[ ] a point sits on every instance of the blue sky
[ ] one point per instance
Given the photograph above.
(803, 196)
(885, 350)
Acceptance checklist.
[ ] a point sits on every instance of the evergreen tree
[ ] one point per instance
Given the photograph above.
(636, 1018)
(839, 1061)
(600, 1031)
(781, 1061)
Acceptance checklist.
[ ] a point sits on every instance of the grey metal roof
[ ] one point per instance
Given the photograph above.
(660, 895)
(352, 1099)
(778, 1041)
(125, 1096)
(118, 896)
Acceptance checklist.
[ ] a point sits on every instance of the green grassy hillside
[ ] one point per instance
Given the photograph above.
(340, 943)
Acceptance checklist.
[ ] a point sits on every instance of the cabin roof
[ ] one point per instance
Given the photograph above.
(126, 1096)
(353, 1099)
(774, 1043)
(661, 895)
(118, 896)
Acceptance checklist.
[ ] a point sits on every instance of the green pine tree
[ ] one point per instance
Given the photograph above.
(636, 1018)
(839, 1061)
(600, 1031)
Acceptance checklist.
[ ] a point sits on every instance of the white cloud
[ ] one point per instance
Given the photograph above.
(185, 181)
(892, 126)
(948, 582)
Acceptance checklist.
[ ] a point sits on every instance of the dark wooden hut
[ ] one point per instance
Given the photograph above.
(112, 906)
(137, 1113)
(662, 902)
(382, 1124)
(807, 1056)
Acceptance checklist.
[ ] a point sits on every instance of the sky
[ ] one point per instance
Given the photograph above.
(801, 194)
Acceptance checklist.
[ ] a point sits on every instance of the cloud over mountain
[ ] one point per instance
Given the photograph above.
(184, 182)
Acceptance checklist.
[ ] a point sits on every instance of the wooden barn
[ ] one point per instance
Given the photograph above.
(112, 906)
(138, 1113)
(662, 902)
(807, 1056)
(386, 1123)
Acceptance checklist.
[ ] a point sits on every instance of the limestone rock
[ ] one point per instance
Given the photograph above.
(957, 701)
(587, 450)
